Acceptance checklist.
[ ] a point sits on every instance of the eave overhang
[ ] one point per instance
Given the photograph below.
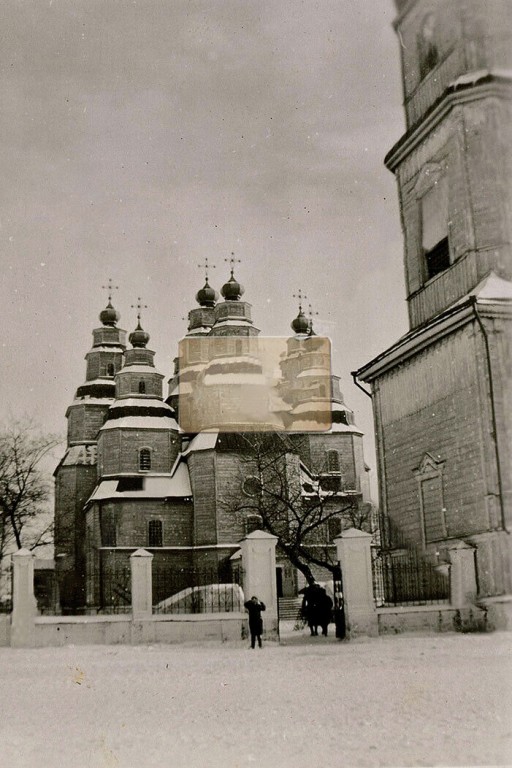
(463, 90)
(420, 338)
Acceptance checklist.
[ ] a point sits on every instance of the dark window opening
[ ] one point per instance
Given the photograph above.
(130, 484)
(142, 387)
(110, 369)
(438, 258)
(427, 48)
(333, 461)
(108, 528)
(155, 533)
(144, 459)
(334, 525)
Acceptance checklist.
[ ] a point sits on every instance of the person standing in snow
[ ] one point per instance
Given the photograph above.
(255, 607)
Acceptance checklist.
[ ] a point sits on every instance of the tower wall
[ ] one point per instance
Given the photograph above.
(471, 149)
(118, 450)
(85, 421)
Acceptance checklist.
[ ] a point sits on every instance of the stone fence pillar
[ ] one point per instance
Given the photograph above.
(259, 575)
(463, 587)
(141, 563)
(24, 604)
(354, 554)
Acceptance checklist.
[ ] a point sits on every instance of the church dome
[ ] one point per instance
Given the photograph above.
(139, 337)
(109, 316)
(301, 324)
(232, 290)
(207, 296)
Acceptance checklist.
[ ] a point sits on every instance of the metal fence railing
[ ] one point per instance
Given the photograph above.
(408, 579)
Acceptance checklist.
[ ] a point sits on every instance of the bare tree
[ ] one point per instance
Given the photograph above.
(304, 509)
(25, 488)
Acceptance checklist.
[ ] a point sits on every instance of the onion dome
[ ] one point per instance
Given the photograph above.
(207, 296)
(232, 290)
(109, 316)
(139, 337)
(301, 324)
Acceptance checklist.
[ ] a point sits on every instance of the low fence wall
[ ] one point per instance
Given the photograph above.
(431, 618)
(125, 630)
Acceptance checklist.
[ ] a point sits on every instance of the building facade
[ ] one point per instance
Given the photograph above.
(133, 476)
(442, 395)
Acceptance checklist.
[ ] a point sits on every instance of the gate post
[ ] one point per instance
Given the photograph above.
(354, 554)
(23, 634)
(259, 575)
(141, 563)
(462, 575)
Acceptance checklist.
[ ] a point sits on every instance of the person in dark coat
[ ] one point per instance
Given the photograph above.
(317, 608)
(324, 611)
(255, 608)
(311, 607)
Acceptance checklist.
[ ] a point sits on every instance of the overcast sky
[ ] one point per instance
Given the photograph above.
(140, 136)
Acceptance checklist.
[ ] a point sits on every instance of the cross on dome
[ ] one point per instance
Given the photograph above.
(110, 287)
(139, 337)
(301, 297)
(206, 266)
(207, 296)
(109, 316)
(139, 306)
(301, 325)
(232, 261)
(232, 290)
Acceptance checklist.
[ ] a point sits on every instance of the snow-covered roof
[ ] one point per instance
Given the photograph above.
(109, 348)
(345, 428)
(146, 402)
(323, 372)
(84, 453)
(231, 322)
(471, 78)
(204, 441)
(142, 422)
(493, 289)
(139, 368)
(88, 400)
(104, 380)
(154, 487)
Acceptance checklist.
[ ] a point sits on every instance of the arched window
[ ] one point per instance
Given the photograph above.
(155, 533)
(144, 459)
(333, 461)
(142, 387)
(110, 369)
(427, 49)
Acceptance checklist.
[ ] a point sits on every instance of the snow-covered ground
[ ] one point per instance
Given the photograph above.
(397, 701)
